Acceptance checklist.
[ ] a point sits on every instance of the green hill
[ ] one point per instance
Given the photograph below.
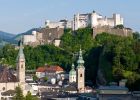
(108, 58)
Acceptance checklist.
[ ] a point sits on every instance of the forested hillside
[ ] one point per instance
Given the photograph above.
(107, 57)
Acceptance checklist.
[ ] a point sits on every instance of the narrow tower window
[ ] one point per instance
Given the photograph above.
(22, 66)
(80, 75)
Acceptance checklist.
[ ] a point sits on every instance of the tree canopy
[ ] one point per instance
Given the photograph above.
(117, 57)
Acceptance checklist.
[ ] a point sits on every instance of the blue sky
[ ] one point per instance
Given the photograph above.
(17, 16)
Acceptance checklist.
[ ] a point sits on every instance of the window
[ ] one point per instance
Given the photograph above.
(3, 88)
(80, 75)
(22, 66)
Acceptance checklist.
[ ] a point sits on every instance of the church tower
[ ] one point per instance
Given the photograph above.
(72, 74)
(80, 73)
(21, 65)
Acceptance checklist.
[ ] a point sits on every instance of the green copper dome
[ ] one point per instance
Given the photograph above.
(80, 61)
(72, 71)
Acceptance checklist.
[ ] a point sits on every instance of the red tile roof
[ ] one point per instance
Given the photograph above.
(41, 69)
(49, 68)
(54, 68)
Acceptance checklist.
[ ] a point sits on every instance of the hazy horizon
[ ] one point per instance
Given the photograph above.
(20, 16)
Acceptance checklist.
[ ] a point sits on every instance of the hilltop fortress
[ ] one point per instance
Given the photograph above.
(92, 19)
(52, 32)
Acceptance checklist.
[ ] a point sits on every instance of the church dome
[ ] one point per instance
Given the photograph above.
(72, 71)
(80, 61)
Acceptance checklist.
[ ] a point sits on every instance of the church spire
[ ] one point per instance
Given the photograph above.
(21, 64)
(80, 61)
(20, 53)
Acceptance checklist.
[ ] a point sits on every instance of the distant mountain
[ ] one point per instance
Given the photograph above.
(6, 37)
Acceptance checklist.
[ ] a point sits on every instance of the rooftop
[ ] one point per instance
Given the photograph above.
(6, 75)
(49, 69)
(112, 88)
(41, 69)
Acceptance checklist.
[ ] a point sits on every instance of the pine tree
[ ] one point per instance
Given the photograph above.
(29, 96)
(19, 94)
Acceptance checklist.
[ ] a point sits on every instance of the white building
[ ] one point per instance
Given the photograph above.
(94, 19)
(60, 24)
(34, 39)
(86, 20)
(29, 38)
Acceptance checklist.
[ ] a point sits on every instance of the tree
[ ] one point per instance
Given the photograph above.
(46, 79)
(119, 26)
(35, 78)
(30, 97)
(18, 94)
(136, 35)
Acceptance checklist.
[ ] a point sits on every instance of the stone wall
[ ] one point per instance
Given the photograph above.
(107, 29)
(50, 34)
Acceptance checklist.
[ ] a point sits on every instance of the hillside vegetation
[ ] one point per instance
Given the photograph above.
(114, 57)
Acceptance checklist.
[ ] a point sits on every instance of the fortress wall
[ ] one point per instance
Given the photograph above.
(120, 32)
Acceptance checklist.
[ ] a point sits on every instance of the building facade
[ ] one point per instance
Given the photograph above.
(61, 24)
(94, 20)
(35, 38)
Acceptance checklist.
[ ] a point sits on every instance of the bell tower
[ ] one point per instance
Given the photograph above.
(80, 73)
(20, 65)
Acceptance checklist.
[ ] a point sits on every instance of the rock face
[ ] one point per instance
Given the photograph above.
(100, 80)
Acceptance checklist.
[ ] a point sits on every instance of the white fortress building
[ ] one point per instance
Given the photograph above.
(61, 24)
(35, 38)
(29, 38)
(94, 20)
